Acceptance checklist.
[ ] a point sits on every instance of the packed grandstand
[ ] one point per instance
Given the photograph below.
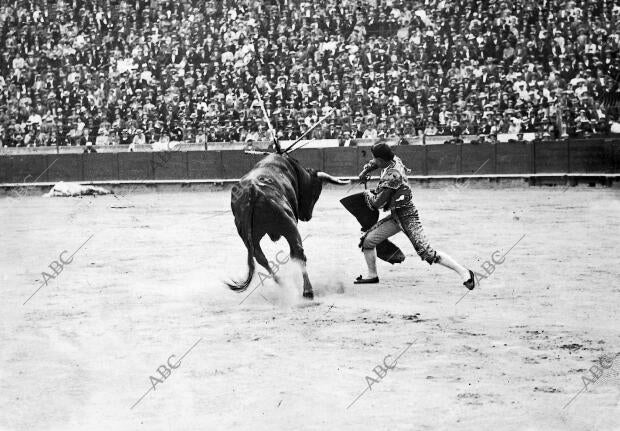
(115, 72)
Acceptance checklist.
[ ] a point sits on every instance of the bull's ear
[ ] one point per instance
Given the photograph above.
(330, 179)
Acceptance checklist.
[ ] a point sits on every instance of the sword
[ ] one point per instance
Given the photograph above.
(269, 126)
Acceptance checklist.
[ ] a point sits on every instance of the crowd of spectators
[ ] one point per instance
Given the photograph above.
(74, 72)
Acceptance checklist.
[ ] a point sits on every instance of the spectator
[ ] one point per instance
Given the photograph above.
(88, 148)
(431, 129)
(202, 139)
(103, 138)
(186, 63)
(252, 136)
(125, 139)
(139, 138)
(370, 133)
(347, 140)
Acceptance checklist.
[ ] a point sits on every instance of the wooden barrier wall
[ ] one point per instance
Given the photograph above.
(569, 157)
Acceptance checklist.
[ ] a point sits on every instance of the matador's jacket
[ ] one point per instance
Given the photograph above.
(394, 194)
(393, 190)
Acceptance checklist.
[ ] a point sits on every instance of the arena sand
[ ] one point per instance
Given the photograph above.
(149, 284)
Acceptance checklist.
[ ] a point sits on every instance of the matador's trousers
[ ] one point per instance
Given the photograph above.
(404, 219)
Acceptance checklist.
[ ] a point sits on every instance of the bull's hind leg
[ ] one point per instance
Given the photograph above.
(308, 293)
(297, 252)
(262, 261)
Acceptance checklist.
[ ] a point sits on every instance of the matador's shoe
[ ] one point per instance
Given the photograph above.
(362, 280)
(471, 283)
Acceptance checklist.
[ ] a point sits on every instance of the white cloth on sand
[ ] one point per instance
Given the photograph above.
(65, 189)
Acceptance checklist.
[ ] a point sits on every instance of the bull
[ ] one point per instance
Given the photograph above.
(270, 200)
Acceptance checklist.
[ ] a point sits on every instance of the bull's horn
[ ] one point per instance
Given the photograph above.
(326, 177)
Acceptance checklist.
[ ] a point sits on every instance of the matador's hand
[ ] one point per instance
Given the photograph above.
(368, 167)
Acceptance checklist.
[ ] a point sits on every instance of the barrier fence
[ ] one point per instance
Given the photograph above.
(264, 145)
(591, 156)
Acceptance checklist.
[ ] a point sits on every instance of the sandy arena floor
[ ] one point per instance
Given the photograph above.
(147, 288)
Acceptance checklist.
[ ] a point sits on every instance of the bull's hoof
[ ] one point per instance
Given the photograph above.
(309, 295)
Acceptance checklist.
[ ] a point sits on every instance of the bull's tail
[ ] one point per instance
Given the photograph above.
(245, 230)
(240, 286)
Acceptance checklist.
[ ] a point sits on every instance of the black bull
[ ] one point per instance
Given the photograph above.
(269, 200)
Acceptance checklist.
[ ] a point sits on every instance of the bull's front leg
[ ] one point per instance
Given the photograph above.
(297, 252)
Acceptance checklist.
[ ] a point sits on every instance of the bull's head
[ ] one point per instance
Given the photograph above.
(310, 191)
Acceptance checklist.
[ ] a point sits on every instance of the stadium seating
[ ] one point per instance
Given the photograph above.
(110, 72)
